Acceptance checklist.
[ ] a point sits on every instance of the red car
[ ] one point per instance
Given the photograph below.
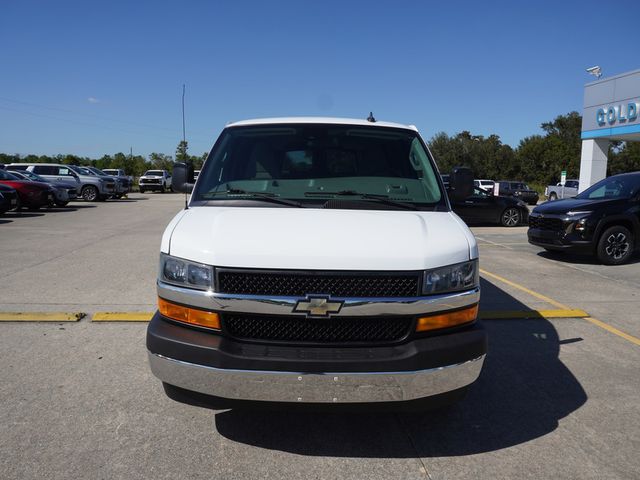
(32, 195)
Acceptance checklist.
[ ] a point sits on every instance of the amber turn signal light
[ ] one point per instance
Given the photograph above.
(192, 316)
(447, 319)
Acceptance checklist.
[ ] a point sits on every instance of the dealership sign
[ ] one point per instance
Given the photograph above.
(617, 114)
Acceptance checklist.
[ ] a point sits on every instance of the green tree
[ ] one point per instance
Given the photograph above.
(181, 151)
(161, 161)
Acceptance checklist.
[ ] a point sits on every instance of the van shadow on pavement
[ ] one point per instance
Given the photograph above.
(522, 393)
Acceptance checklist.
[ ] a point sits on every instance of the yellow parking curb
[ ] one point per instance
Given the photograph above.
(518, 314)
(40, 316)
(122, 316)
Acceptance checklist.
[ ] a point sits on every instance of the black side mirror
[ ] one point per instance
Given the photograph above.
(460, 184)
(182, 179)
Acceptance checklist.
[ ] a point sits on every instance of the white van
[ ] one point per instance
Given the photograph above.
(318, 262)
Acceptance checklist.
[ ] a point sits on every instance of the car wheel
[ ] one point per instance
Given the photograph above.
(553, 196)
(142, 190)
(163, 188)
(171, 188)
(615, 245)
(90, 193)
(510, 217)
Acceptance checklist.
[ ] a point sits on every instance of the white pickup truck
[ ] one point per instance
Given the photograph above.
(153, 180)
(318, 263)
(568, 190)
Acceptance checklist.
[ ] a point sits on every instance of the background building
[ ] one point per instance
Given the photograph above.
(611, 112)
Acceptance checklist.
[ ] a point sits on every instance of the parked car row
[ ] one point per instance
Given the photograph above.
(36, 185)
(92, 184)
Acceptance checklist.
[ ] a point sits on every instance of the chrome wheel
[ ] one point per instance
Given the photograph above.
(617, 245)
(90, 193)
(510, 217)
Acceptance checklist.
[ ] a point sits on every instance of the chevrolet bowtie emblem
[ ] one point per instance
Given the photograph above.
(317, 306)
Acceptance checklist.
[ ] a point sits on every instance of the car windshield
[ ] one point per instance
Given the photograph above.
(623, 186)
(313, 163)
(30, 175)
(153, 173)
(95, 170)
(520, 186)
(4, 175)
(81, 170)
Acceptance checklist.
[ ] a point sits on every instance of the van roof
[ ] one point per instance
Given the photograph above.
(320, 120)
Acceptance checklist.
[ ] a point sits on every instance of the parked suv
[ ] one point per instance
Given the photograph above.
(318, 262)
(153, 180)
(126, 180)
(519, 190)
(120, 188)
(604, 220)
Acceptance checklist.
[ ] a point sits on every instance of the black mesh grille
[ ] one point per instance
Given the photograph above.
(336, 285)
(543, 223)
(316, 330)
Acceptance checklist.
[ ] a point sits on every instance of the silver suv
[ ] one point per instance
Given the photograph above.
(94, 188)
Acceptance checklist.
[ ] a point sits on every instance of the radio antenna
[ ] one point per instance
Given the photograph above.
(184, 145)
(184, 135)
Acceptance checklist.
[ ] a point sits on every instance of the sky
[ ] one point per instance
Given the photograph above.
(92, 78)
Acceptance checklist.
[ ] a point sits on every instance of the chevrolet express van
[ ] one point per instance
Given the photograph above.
(318, 262)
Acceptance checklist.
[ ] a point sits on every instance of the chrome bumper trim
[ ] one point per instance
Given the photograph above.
(351, 387)
(352, 307)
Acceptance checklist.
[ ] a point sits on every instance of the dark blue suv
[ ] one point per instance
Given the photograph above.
(604, 220)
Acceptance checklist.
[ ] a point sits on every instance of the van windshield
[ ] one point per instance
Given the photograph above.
(314, 163)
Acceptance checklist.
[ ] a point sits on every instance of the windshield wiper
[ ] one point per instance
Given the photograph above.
(368, 196)
(269, 197)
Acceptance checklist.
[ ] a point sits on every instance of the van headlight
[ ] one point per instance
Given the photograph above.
(178, 271)
(452, 278)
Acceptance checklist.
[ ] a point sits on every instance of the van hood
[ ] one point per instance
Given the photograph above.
(317, 239)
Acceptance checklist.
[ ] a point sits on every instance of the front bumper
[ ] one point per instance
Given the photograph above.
(321, 387)
(562, 236)
(211, 364)
(553, 240)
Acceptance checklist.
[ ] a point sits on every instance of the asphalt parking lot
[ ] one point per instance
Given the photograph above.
(558, 396)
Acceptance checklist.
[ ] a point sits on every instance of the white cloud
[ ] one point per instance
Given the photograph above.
(93, 100)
